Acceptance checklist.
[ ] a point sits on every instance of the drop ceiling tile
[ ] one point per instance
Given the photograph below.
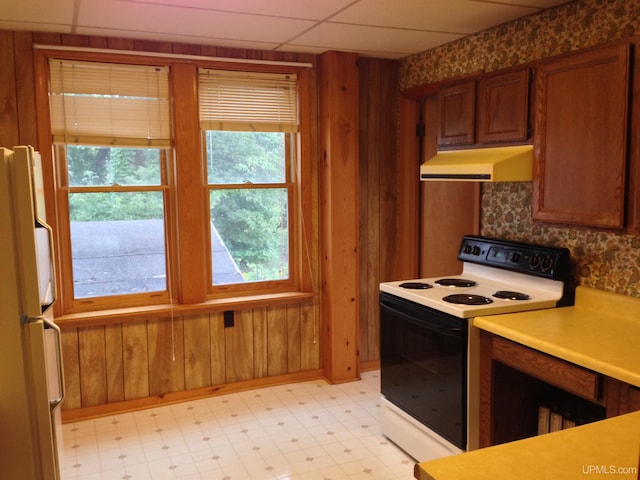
(178, 38)
(362, 53)
(35, 27)
(290, 47)
(302, 9)
(126, 16)
(359, 38)
(37, 12)
(453, 16)
(349, 25)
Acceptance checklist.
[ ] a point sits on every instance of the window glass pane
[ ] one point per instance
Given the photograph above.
(98, 166)
(249, 235)
(245, 157)
(117, 243)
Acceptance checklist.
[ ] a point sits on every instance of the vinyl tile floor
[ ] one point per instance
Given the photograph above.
(310, 430)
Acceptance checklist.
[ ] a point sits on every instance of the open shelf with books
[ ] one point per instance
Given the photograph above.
(524, 393)
(563, 410)
(524, 406)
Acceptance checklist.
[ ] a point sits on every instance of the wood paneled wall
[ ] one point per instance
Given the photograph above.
(151, 359)
(379, 193)
(17, 106)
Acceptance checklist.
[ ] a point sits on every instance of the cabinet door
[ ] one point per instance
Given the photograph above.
(456, 104)
(503, 107)
(581, 131)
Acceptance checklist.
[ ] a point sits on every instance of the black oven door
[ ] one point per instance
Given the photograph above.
(423, 354)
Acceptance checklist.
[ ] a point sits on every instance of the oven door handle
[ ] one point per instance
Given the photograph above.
(453, 331)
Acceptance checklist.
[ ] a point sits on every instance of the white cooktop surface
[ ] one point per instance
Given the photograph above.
(543, 292)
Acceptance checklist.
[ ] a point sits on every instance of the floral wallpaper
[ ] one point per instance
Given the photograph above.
(571, 26)
(603, 260)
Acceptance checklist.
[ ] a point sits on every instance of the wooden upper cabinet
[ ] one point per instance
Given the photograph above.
(633, 172)
(581, 136)
(503, 107)
(456, 106)
(489, 110)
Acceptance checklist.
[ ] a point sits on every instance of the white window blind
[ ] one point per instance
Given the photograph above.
(244, 101)
(109, 104)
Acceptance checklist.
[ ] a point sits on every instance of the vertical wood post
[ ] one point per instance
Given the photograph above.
(191, 240)
(339, 214)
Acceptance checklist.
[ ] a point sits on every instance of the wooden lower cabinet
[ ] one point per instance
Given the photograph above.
(515, 381)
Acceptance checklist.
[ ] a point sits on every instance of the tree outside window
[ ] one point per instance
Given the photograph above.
(248, 201)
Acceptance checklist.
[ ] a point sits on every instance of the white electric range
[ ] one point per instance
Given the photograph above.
(427, 363)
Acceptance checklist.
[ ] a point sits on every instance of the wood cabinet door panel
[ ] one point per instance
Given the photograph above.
(456, 105)
(503, 107)
(581, 131)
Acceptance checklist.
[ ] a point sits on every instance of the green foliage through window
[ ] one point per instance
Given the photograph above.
(116, 213)
(249, 203)
(103, 167)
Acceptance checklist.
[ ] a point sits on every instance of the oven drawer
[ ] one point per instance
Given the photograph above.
(567, 376)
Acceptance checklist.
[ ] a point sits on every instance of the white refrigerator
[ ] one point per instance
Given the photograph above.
(31, 381)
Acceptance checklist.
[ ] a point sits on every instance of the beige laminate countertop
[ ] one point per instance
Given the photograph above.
(606, 449)
(600, 332)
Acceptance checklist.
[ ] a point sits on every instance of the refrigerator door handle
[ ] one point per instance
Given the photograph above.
(53, 403)
(52, 293)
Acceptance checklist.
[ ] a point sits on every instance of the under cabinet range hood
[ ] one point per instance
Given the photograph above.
(494, 164)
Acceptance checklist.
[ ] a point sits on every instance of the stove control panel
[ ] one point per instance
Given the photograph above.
(540, 260)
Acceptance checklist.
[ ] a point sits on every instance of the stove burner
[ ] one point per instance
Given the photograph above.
(511, 295)
(415, 285)
(456, 282)
(464, 299)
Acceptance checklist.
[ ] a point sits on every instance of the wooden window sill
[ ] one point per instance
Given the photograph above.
(120, 315)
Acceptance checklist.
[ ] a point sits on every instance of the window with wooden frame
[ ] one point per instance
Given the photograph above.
(249, 125)
(129, 180)
(111, 129)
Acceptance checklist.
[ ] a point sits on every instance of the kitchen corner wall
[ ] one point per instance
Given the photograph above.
(603, 260)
